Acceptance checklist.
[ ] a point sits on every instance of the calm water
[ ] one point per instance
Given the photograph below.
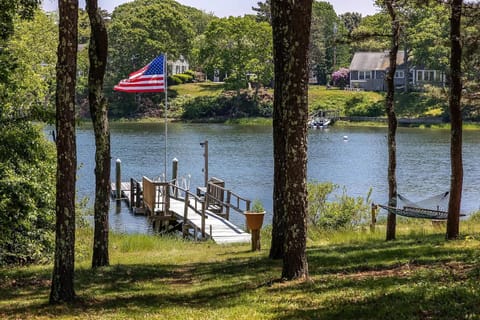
(243, 157)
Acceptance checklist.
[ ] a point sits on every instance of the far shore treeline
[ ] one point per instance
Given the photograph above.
(237, 51)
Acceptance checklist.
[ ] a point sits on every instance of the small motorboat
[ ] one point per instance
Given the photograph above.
(319, 123)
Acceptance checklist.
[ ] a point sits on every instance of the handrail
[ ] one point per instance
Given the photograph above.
(233, 201)
(197, 205)
(156, 193)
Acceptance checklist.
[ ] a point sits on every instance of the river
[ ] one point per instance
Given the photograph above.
(243, 157)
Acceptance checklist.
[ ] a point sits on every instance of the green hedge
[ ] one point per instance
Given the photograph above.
(27, 194)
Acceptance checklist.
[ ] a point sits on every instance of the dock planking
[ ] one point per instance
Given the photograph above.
(217, 228)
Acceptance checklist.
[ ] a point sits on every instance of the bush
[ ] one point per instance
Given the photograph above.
(27, 194)
(227, 105)
(359, 105)
(186, 78)
(341, 77)
(174, 80)
(344, 213)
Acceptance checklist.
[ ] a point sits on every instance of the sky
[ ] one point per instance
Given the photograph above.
(225, 8)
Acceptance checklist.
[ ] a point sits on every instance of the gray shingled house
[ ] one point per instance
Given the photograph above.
(368, 71)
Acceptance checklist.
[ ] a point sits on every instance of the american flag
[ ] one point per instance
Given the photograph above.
(150, 78)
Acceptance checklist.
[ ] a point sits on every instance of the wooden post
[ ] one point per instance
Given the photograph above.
(175, 176)
(118, 175)
(211, 232)
(185, 215)
(227, 209)
(256, 240)
(203, 219)
(133, 190)
(138, 194)
(374, 217)
(205, 166)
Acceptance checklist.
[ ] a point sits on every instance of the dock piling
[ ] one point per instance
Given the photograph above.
(118, 176)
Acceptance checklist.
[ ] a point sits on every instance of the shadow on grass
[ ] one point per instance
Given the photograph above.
(405, 279)
(147, 286)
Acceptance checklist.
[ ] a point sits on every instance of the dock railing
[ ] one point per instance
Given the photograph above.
(135, 193)
(225, 199)
(192, 201)
(156, 196)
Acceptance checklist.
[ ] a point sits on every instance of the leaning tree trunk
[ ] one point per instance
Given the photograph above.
(456, 179)
(98, 109)
(392, 120)
(291, 29)
(63, 271)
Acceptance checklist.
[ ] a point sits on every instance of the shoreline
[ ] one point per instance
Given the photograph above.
(260, 121)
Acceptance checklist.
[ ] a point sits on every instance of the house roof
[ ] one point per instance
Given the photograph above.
(373, 60)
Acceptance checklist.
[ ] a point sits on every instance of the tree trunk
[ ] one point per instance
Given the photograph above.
(279, 151)
(63, 271)
(278, 221)
(456, 179)
(98, 109)
(291, 29)
(392, 120)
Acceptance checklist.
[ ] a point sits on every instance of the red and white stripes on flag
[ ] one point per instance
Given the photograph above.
(150, 78)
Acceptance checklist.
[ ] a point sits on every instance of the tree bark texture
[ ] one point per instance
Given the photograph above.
(279, 151)
(291, 29)
(456, 178)
(392, 120)
(62, 289)
(97, 53)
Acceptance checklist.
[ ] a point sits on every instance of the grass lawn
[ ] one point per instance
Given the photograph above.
(355, 275)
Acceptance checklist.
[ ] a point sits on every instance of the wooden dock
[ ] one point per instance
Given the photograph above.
(203, 216)
(217, 228)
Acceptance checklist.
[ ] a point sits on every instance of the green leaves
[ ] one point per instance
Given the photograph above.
(27, 194)
(236, 48)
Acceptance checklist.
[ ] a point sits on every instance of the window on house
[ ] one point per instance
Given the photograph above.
(426, 75)
(364, 75)
(399, 74)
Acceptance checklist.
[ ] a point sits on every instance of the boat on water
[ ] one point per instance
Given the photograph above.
(319, 123)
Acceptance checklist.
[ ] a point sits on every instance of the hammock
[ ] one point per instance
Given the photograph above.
(412, 212)
(432, 208)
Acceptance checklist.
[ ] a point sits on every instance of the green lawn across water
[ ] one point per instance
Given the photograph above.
(354, 275)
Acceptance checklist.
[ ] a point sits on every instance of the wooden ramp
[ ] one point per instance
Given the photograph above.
(217, 228)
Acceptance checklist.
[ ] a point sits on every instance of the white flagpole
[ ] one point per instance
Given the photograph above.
(165, 80)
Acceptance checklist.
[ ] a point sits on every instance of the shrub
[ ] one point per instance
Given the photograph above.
(184, 77)
(343, 213)
(27, 194)
(190, 73)
(174, 80)
(341, 77)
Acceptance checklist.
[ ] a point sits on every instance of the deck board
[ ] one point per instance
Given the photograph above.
(223, 231)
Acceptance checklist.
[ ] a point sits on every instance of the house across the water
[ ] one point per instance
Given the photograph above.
(368, 72)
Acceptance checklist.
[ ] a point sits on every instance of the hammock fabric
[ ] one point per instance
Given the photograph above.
(412, 212)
